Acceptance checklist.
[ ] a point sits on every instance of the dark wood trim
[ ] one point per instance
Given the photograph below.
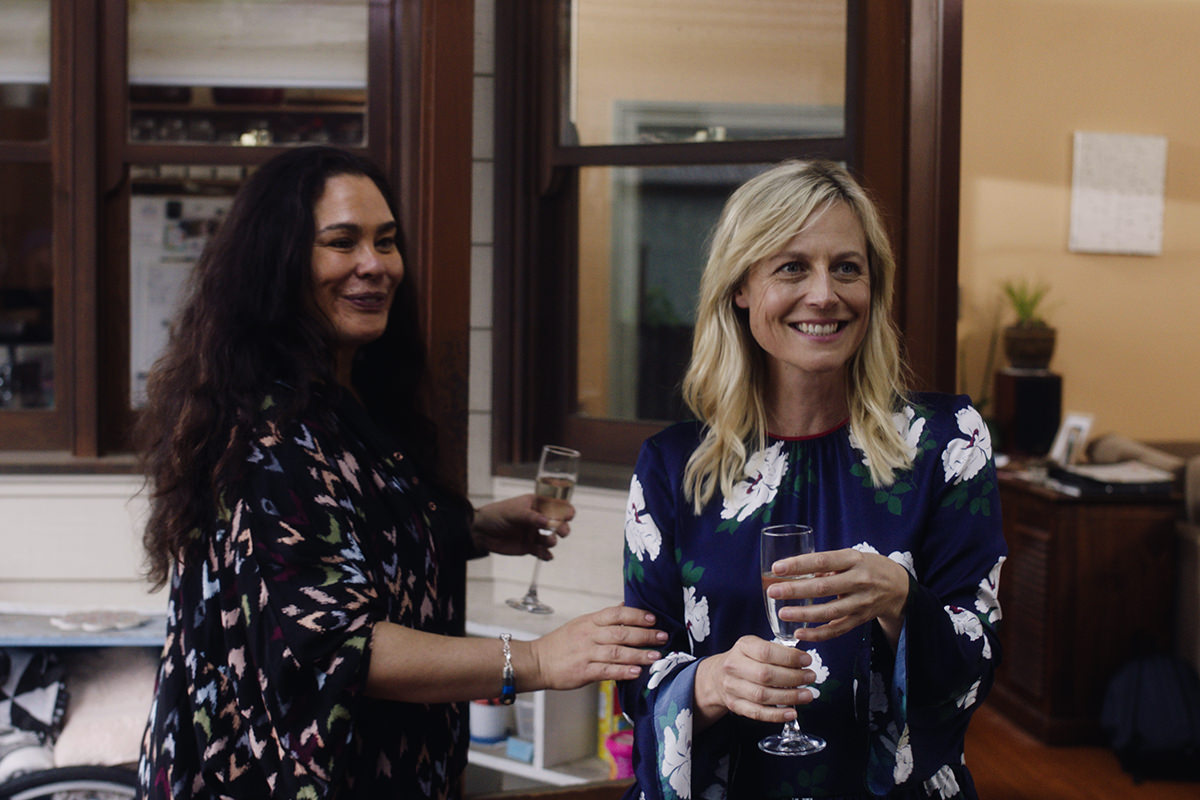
(84, 204)
(106, 301)
(668, 154)
(523, 28)
(419, 52)
(881, 70)
(382, 97)
(608, 441)
(25, 152)
(440, 197)
(930, 257)
(910, 77)
(52, 428)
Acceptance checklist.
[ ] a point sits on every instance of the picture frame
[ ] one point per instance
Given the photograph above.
(1071, 437)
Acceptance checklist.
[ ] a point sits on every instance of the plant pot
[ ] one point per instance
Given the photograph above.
(1029, 346)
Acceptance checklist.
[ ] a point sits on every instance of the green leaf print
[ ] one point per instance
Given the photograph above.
(634, 570)
(690, 574)
(339, 711)
(728, 526)
(335, 532)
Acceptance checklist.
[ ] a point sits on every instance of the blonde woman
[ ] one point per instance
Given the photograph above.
(804, 416)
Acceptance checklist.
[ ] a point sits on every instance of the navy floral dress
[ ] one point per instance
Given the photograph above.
(894, 720)
(259, 692)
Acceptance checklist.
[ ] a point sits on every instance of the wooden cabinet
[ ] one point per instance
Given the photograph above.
(1089, 583)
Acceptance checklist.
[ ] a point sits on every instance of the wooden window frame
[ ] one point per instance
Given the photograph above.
(420, 56)
(903, 112)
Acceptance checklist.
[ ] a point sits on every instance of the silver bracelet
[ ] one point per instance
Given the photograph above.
(508, 689)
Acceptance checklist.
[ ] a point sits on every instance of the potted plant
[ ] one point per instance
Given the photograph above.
(1028, 342)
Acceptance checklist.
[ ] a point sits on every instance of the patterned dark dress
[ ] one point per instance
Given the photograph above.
(269, 636)
(894, 721)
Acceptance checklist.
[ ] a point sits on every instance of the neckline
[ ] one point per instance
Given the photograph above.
(806, 437)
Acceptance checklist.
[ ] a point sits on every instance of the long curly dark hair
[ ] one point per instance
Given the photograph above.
(245, 324)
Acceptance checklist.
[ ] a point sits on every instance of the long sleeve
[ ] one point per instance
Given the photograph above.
(894, 716)
(324, 534)
(660, 701)
(949, 647)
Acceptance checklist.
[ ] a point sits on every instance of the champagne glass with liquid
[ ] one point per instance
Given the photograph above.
(557, 472)
(777, 542)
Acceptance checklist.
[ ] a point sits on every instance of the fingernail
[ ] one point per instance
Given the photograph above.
(635, 671)
(661, 636)
(650, 618)
(653, 655)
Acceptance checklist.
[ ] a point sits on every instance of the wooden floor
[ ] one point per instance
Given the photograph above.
(1009, 764)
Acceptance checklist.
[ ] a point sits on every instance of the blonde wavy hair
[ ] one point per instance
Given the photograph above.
(725, 380)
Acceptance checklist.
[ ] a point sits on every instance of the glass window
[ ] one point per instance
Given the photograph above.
(643, 234)
(703, 70)
(255, 72)
(173, 211)
(24, 69)
(26, 289)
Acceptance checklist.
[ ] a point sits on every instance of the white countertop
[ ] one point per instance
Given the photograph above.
(489, 615)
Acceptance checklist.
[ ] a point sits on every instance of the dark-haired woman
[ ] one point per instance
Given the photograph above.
(311, 648)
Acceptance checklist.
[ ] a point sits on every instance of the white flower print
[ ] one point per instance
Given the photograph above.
(822, 673)
(696, 614)
(910, 431)
(965, 622)
(904, 758)
(987, 598)
(677, 754)
(944, 783)
(968, 698)
(904, 559)
(641, 534)
(964, 457)
(665, 665)
(764, 472)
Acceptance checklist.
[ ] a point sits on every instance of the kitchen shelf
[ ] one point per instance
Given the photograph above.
(565, 722)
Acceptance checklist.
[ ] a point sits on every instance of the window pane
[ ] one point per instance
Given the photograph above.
(24, 69)
(173, 211)
(254, 72)
(704, 70)
(26, 288)
(643, 234)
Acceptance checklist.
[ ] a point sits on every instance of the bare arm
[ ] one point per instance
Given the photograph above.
(418, 667)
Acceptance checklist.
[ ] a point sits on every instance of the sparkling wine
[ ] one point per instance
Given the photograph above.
(784, 629)
(554, 495)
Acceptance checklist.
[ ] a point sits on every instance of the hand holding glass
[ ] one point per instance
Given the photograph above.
(777, 542)
(557, 472)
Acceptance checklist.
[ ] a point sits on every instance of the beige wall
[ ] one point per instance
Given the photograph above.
(1034, 72)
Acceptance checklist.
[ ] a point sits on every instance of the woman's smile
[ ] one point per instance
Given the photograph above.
(818, 287)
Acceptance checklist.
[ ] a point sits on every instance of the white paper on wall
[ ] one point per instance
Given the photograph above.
(1117, 193)
(166, 235)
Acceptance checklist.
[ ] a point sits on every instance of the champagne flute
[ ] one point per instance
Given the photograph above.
(777, 542)
(557, 472)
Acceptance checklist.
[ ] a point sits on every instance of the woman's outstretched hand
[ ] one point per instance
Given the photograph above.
(862, 587)
(613, 643)
(755, 679)
(513, 527)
